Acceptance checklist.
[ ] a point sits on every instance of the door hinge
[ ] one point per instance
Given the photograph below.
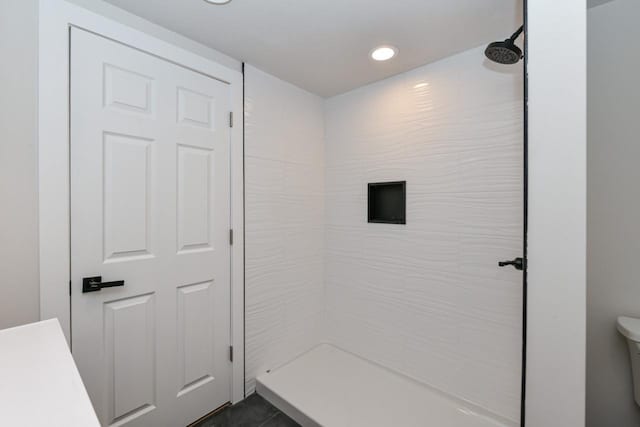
(230, 119)
(231, 353)
(69, 287)
(231, 236)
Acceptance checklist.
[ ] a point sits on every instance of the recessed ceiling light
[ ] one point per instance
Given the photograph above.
(218, 1)
(383, 53)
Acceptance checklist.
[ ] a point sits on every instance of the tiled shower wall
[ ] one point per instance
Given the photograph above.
(427, 298)
(284, 185)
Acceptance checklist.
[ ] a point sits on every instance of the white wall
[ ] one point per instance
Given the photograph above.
(557, 213)
(613, 286)
(427, 298)
(19, 292)
(122, 16)
(19, 276)
(284, 202)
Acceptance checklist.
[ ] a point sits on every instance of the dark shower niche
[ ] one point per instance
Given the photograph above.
(387, 202)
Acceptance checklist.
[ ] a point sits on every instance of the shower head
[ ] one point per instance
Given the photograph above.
(505, 52)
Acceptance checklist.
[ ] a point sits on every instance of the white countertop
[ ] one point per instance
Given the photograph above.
(39, 382)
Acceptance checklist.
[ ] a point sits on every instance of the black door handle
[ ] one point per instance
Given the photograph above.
(93, 284)
(517, 263)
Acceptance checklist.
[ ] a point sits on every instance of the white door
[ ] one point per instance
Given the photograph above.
(149, 206)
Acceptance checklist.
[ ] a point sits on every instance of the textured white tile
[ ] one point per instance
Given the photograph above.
(305, 243)
(282, 122)
(264, 176)
(284, 184)
(264, 248)
(427, 298)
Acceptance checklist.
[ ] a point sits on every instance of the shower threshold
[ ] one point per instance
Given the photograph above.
(332, 388)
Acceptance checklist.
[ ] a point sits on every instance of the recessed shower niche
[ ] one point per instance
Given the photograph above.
(387, 202)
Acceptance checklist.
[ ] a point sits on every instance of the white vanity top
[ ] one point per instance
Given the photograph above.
(39, 382)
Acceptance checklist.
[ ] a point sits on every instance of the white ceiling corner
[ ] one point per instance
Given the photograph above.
(323, 46)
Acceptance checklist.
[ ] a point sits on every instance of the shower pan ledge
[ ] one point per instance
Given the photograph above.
(333, 388)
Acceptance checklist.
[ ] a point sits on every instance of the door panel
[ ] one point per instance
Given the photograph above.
(130, 356)
(127, 90)
(195, 333)
(195, 108)
(194, 198)
(150, 206)
(127, 181)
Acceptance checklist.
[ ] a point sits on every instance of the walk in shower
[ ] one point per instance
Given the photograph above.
(409, 320)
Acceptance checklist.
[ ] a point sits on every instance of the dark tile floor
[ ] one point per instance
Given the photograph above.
(254, 411)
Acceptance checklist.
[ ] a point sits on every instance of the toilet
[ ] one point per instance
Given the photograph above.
(630, 328)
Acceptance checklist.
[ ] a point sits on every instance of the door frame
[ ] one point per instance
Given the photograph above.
(56, 17)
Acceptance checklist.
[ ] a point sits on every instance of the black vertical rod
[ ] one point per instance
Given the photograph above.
(525, 219)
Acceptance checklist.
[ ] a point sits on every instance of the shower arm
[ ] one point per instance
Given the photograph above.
(517, 34)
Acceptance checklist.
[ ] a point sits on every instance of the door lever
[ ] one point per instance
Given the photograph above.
(93, 284)
(517, 263)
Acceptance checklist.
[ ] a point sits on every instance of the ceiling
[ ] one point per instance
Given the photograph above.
(323, 45)
(593, 3)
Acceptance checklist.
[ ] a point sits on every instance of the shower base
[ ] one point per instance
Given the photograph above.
(332, 388)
